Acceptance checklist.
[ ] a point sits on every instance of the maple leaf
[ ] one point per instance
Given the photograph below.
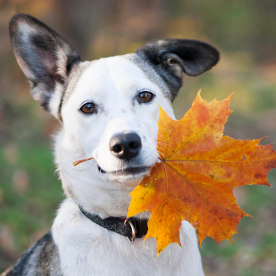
(196, 175)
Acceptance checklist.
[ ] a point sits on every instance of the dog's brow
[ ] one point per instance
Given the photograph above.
(150, 73)
(74, 77)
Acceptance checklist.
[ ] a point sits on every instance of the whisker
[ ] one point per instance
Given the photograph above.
(161, 142)
(164, 146)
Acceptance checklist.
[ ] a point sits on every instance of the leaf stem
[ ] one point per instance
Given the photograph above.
(81, 161)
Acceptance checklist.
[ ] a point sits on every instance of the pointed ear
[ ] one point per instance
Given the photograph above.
(172, 57)
(45, 58)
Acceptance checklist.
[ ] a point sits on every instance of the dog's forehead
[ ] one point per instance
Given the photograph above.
(117, 74)
(117, 71)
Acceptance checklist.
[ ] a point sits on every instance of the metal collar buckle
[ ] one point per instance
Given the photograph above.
(133, 232)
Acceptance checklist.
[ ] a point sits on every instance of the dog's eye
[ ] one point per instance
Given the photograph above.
(145, 97)
(88, 108)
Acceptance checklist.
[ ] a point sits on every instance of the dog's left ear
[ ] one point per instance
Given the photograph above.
(172, 57)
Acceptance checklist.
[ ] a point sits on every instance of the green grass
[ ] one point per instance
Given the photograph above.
(27, 211)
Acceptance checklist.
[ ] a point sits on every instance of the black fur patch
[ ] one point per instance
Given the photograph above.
(71, 60)
(194, 58)
(41, 259)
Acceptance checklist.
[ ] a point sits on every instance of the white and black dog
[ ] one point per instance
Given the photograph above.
(108, 110)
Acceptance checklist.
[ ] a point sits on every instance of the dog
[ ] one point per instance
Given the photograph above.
(108, 109)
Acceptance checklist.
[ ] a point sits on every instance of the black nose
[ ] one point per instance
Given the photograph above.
(125, 145)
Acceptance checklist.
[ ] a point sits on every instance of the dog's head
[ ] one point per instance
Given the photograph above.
(108, 107)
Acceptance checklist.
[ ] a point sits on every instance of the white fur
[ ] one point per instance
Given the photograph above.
(88, 249)
(84, 247)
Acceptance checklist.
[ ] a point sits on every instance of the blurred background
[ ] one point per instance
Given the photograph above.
(244, 32)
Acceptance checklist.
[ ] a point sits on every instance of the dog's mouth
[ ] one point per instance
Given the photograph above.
(101, 170)
(134, 171)
(126, 171)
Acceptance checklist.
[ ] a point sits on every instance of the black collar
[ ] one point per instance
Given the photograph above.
(131, 228)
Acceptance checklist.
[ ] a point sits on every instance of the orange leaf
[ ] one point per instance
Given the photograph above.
(198, 171)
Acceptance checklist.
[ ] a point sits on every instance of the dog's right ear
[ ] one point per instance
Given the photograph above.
(45, 58)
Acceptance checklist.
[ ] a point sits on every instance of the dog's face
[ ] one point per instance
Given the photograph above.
(112, 114)
(109, 107)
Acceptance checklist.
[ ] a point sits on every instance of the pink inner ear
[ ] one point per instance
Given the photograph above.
(171, 61)
(49, 62)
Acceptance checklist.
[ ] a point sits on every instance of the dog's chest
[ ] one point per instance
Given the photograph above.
(88, 249)
(113, 257)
